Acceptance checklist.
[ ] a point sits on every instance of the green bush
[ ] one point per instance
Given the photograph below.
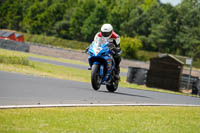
(196, 63)
(146, 55)
(130, 46)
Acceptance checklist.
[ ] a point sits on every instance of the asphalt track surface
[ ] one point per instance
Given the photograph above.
(18, 89)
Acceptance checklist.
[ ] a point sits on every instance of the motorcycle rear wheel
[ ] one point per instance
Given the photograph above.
(113, 86)
(95, 77)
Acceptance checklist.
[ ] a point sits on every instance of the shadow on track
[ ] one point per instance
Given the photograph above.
(125, 94)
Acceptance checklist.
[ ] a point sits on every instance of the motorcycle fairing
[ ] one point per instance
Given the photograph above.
(101, 54)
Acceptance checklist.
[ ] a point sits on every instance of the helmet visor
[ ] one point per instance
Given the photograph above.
(106, 34)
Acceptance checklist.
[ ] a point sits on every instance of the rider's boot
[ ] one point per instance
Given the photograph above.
(117, 67)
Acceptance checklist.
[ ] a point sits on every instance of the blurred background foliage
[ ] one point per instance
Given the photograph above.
(130, 46)
(148, 25)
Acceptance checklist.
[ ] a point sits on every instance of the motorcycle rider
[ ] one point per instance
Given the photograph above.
(107, 33)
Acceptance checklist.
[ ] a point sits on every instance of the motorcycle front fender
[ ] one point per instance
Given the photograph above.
(97, 63)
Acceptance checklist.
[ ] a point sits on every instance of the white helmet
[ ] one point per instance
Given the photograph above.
(106, 30)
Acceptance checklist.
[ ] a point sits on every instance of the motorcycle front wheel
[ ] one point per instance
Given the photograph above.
(95, 77)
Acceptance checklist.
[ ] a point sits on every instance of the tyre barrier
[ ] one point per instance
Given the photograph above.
(137, 75)
(196, 88)
(13, 45)
(194, 83)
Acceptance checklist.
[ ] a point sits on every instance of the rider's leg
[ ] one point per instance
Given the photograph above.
(117, 62)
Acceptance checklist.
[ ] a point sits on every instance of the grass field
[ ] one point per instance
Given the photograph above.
(101, 120)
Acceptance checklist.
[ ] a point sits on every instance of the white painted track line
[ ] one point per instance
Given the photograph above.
(91, 105)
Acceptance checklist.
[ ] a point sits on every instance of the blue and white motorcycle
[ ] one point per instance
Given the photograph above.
(102, 65)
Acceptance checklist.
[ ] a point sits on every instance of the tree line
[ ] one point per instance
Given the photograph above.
(160, 27)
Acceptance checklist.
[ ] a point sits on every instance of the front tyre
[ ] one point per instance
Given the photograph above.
(95, 77)
(113, 86)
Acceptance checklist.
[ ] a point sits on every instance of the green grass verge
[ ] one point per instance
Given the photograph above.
(12, 53)
(14, 60)
(61, 72)
(101, 120)
(54, 41)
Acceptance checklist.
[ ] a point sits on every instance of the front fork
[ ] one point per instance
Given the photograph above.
(101, 70)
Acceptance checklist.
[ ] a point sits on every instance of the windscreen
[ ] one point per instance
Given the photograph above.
(100, 41)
